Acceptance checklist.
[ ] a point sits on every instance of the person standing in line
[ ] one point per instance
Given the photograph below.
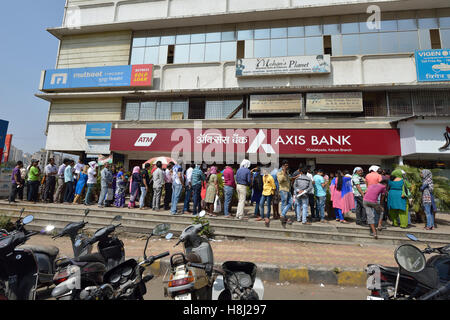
(50, 172)
(177, 187)
(397, 200)
(311, 199)
(374, 209)
(342, 196)
(302, 188)
(198, 177)
(276, 194)
(168, 185)
(121, 187)
(69, 181)
(81, 184)
(105, 183)
(91, 182)
(158, 183)
(33, 181)
(188, 188)
(16, 182)
(374, 176)
(269, 188)
(23, 174)
(359, 190)
(257, 186)
(212, 189)
(135, 185)
(427, 188)
(145, 185)
(243, 181)
(321, 195)
(60, 191)
(229, 187)
(285, 190)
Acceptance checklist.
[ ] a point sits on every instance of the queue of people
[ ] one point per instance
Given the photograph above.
(373, 197)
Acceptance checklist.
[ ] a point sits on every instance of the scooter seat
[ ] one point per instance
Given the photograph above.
(48, 250)
(94, 257)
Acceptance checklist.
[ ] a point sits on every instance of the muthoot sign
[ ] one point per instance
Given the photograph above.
(283, 65)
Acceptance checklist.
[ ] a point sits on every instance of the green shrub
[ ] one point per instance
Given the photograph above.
(207, 230)
(5, 223)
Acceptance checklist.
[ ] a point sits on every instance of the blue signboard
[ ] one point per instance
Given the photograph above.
(433, 65)
(112, 76)
(98, 131)
(3, 131)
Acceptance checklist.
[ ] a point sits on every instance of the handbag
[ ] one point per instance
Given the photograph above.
(217, 205)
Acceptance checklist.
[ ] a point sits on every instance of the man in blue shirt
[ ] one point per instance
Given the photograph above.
(321, 195)
(68, 179)
(242, 182)
(196, 181)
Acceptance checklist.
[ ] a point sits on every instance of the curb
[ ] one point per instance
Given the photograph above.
(293, 274)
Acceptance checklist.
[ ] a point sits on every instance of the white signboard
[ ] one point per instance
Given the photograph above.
(334, 102)
(275, 103)
(319, 64)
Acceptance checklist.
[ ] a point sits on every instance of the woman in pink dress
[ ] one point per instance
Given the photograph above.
(342, 196)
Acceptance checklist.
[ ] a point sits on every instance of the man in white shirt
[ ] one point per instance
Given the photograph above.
(50, 171)
(312, 202)
(188, 189)
(158, 183)
(91, 182)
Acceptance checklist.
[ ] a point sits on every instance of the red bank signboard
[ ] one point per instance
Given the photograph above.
(281, 141)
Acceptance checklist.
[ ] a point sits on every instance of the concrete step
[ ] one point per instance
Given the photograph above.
(143, 221)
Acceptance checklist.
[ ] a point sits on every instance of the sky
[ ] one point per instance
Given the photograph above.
(26, 48)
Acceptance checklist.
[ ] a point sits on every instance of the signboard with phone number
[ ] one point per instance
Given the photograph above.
(111, 76)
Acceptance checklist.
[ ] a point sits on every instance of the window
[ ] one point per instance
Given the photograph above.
(408, 41)
(350, 44)
(151, 55)
(388, 42)
(261, 48)
(228, 51)
(375, 104)
(331, 25)
(435, 39)
(369, 43)
(137, 56)
(314, 45)
(296, 46)
(278, 47)
(155, 110)
(147, 111)
(132, 111)
(212, 52)
(445, 38)
(221, 109)
(313, 27)
(400, 103)
(350, 24)
(197, 53)
(181, 53)
(327, 47)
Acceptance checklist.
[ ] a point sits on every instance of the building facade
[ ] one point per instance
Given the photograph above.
(327, 83)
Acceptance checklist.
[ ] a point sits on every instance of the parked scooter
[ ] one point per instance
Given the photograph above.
(87, 270)
(191, 277)
(79, 240)
(127, 280)
(415, 277)
(24, 269)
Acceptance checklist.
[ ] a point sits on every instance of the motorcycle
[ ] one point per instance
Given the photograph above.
(191, 276)
(415, 277)
(87, 270)
(127, 281)
(24, 268)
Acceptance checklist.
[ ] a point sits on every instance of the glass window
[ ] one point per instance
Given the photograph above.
(295, 32)
(278, 32)
(197, 53)
(442, 102)
(445, 38)
(212, 52)
(388, 42)
(444, 22)
(139, 42)
(163, 110)
(278, 47)
(408, 41)
(213, 37)
(228, 35)
(221, 109)
(423, 102)
(180, 106)
(296, 46)
(262, 33)
(137, 56)
(428, 23)
(350, 44)
(181, 53)
(132, 111)
(261, 48)
(151, 55)
(388, 22)
(313, 45)
(406, 21)
(147, 111)
(369, 43)
(163, 51)
(245, 31)
(313, 27)
(153, 41)
(228, 51)
(167, 40)
(400, 103)
(198, 38)
(349, 24)
(331, 25)
(183, 38)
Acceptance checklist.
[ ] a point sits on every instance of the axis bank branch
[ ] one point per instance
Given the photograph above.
(329, 148)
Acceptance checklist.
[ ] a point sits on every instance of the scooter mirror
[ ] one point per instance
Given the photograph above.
(412, 237)
(27, 219)
(161, 229)
(410, 258)
(169, 236)
(202, 214)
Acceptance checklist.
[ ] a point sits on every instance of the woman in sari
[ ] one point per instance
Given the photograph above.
(121, 185)
(397, 201)
(342, 196)
(427, 197)
(135, 182)
(211, 191)
(80, 185)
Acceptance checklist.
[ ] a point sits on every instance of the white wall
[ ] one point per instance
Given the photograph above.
(66, 137)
